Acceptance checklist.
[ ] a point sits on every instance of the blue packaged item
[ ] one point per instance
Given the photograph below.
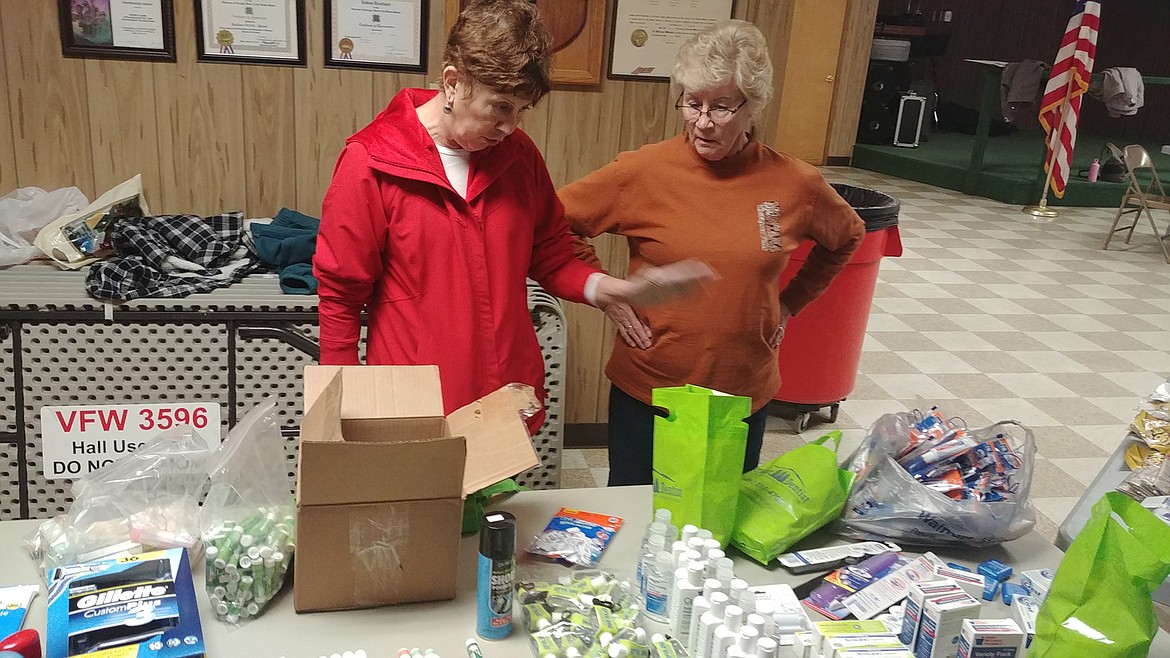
(995, 570)
(14, 602)
(990, 587)
(141, 605)
(1011, 589)
(960, 567)
(496, 573)
(576, 537)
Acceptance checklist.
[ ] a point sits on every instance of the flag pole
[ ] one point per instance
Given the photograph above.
(1042, 209)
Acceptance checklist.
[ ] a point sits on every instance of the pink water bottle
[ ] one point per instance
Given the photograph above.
(1094, 169)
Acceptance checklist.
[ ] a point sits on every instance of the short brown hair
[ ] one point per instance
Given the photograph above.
(502, 45)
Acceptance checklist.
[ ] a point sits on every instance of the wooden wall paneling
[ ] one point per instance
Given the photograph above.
(331, 105)
(50, 128)
(200, 129)
(775, 20)
(646, 114)
(123, 130)
(7, 156)
(586, 136)
(271, 136)
(852, 67)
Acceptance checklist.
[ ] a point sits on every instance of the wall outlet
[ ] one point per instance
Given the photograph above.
(948, 15)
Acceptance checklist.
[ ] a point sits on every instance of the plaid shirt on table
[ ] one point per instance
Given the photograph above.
(172, 256)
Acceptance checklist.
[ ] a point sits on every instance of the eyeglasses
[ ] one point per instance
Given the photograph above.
(717, 114)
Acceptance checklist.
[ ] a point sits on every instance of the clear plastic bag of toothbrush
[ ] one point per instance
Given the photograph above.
(249, 526)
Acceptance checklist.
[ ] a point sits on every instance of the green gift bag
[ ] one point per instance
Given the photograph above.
(788, 498)
(698, 455)
(1100, 603)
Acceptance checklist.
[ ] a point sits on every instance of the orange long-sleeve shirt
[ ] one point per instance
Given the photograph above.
(744, 216)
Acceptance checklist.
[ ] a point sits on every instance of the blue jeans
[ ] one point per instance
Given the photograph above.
(631, 439)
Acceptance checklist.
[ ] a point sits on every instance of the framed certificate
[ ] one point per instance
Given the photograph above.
(646, 34)
(117, 29)
(250, 31)
(389, 35)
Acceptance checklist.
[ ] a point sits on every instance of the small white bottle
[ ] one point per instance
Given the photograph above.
(705, 534)
(696, 544)
(746, 645)
(708, 622)
(658, 587)
(671, 533)
(712, 560)
(688, 589)
(701, 606)
(679, 577)
(712, 585)
(711, 544)
(757, 622)
(736, 590)
(650, 551)
(652, 530)
(726, 633)
(677, 550)
(766, 647)
(689, 531)
(767, 610)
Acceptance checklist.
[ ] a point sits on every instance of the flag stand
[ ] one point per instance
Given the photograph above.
(1042, 209)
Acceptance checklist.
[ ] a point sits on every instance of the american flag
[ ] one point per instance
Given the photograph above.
(1061, 106)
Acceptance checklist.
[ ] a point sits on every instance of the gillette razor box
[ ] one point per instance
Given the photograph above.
(135, 606)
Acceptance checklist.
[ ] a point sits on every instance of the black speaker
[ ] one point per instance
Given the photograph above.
(876, 125)
(885, 81)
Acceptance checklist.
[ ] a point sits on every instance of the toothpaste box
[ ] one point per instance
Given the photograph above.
(1037, 582)
(942, 619)
(900, 652)
(128, 607)
(824, 630)
(846, 643)
(971, 582)
(1024, 611)
(915, 599)
(804, 645)
(990, 638)
(14, 603)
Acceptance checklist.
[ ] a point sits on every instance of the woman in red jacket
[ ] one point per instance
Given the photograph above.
(440, 209)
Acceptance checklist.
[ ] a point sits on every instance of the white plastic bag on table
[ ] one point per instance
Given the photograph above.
(80, 238)
(24, 212)
(887, 503)
(146, 500)
(248, 522)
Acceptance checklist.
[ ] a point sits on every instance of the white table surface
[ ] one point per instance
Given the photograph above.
(446, 625)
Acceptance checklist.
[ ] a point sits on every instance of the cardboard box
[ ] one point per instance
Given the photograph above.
(381, 481)
(942, 619)
(990, 638)
(919, 594)
(139, 605)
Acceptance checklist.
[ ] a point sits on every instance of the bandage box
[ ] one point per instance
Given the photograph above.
(972, 583)
(381, 481)
(942, 619)
(990, 638)
(1024, 611)
(139, 605)
(915, 600)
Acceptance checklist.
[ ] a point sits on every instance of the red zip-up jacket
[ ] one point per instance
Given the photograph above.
(442, 278)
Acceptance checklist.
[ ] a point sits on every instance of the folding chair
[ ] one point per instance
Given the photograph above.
(1138, 199)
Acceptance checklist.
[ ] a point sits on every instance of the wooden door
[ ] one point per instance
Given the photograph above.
(810, 75)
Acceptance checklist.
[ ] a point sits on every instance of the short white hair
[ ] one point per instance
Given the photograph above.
(729, 51)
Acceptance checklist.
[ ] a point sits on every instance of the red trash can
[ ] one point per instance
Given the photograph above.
(822, 345)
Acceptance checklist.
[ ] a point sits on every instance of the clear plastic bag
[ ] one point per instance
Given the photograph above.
(24, 212)
(146, 500)
(577, 611)
(248, 522)
(888, 503)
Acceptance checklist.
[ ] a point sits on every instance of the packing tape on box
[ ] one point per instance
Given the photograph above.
(374, 540)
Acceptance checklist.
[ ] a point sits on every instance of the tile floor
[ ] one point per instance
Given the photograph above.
(993, 314)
